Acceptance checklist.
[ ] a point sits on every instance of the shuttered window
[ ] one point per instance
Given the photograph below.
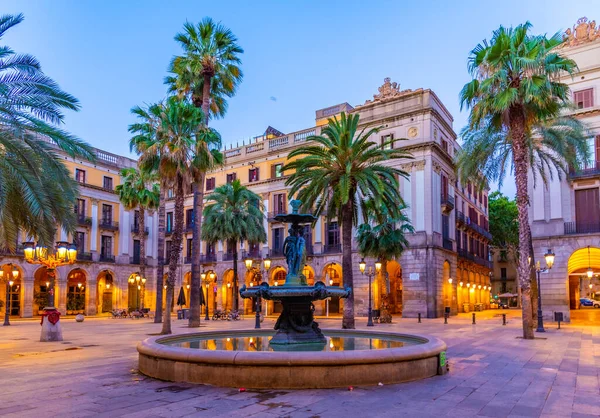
(584, 98)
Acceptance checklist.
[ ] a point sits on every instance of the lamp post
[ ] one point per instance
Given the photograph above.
(140, 282)
(369, 273)
(64, 254)
(9, 284)
(549, 256)
(266, 263)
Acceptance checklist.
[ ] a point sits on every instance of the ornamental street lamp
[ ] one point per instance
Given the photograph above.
(369, 273)
(258, 272)
(549, 256)
(137, 279)
(9, 285)
(64, 254)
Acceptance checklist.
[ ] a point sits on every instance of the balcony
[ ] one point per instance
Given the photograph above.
(582, 228)
(332, 249)
(18, 251)
(585, 172)
(210, 258)
(107, 258)
(460, 218)
(447, 244)
(271, 215)
(136, 229)
(109, 225)
(276, 252)
(83, 256)
(447, 204)
(187, 259)
(134, 260)
(229, 257)
(189, 227)
(83, 220)
(253, 253)
(462, 253)
(478, 229)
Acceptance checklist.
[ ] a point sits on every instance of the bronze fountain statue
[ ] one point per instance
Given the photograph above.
(296, 323)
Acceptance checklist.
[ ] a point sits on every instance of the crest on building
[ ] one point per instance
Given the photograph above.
(582, 32)
(389, 90)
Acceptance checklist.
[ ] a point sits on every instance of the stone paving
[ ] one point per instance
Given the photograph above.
(493, 373)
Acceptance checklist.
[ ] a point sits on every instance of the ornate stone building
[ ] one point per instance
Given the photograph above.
(565, 213)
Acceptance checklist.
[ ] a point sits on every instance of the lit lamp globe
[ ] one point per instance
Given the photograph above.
(267, 263)
(211, 275)
(248, 262)
(362, 265)
(549, 256)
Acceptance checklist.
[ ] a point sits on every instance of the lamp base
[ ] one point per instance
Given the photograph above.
(51, 327)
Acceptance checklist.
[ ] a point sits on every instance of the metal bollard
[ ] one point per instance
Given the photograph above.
(503, 319)
(473, 318)
(419, 317)
(445, 318)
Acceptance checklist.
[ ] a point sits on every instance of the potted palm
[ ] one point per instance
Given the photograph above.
(71, 305)
(79, 304)
(41, 300)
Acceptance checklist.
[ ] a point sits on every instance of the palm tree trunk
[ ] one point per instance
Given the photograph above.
(533, 281)
(196, 285)
(206, 96)
(160, 270)
(142, 237)
(347, 212)
(175, 252)
(521, 164)
(235, 277)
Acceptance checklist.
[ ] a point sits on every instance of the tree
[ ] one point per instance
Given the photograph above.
(140, 191)
(515, 88)
(338, 171)
(208, 72)
(166, 140)
(383, 238)
(234, 214)
(37, 192)
(503, 214)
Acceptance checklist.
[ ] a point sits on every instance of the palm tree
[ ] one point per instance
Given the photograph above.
(140, 191)
(515, 88)
(337, 172)
(37, 192)
(383, 238)
(167, 139)
(234, 214)
(207, 73)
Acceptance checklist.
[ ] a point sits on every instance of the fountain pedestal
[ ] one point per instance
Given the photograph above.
(296, 324)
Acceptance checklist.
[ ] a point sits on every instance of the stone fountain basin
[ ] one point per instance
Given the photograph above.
(291, 370)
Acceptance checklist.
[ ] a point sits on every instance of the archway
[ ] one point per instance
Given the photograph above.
(41, 288)
(106, 288)
(446, 285)
(277, 279)
(227, 290)
(309, 273)
(394, 271)
(252, 278)
(187, 287)
(209, 281)
(76, 291)
(332, 273)
(14, 299)
(580, 285)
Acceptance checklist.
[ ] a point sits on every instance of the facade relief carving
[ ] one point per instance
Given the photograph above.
(388, 91)
(582, 32)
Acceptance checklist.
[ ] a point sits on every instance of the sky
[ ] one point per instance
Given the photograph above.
(299, 56)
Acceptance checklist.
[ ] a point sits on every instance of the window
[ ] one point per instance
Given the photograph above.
(445, 145)
(253, 174)
(188, 252)
(136, 220)
(80, 175)
(107, 183)
(80, 241)
(80, 208)
(169, 226)
(231, 177)
(210, 249)
(210, 183)
(167, 250)
(279, 205)
(107, 214)
(136, 251)
(276, 171)
(189, 217)
(106, 246)
(444, 188)
(231, 246)
(503, 273)
(277, 241)
(254, 249)
(387, 141)
(584, 98)
(170, 193)
(333, 234)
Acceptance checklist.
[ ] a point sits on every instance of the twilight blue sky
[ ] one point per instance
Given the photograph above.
(113, 55)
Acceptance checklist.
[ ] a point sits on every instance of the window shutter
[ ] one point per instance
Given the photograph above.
(597, 151)
(273, 170)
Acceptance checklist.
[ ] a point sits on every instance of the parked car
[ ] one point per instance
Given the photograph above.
(589, 302)
(502, 305)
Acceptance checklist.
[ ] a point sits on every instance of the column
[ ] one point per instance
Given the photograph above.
(63, 235)
(150, 247)
(94, 239)
(91, 296)
(124, 230)
(27, 297)
(266, 226)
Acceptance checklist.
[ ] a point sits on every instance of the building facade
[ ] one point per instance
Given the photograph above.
(447, 264)
(108, 250)
(565, 213)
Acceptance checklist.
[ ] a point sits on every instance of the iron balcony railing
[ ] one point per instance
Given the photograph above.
(460, 217)
(82, 256)
(276, 252)
(107, 258)
(229, 257)
(187, 260)
(134, 260)
(332, 249)
(585, 172)
(136, 229)
(447, 244)
(84, 220)
(109, 225)
(210, 258)
(582, 228)
(448, 201)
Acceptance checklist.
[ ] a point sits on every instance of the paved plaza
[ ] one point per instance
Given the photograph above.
(493, 373)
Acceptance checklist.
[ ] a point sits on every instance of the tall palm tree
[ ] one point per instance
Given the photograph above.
(37, 192)
(207, 73)
(234, 214)
(515, 88)
(140, 191)
(383, 238)
(167, 144)
(337, 172)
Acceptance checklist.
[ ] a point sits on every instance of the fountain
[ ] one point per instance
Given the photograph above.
(296, 324)
(299, 354)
